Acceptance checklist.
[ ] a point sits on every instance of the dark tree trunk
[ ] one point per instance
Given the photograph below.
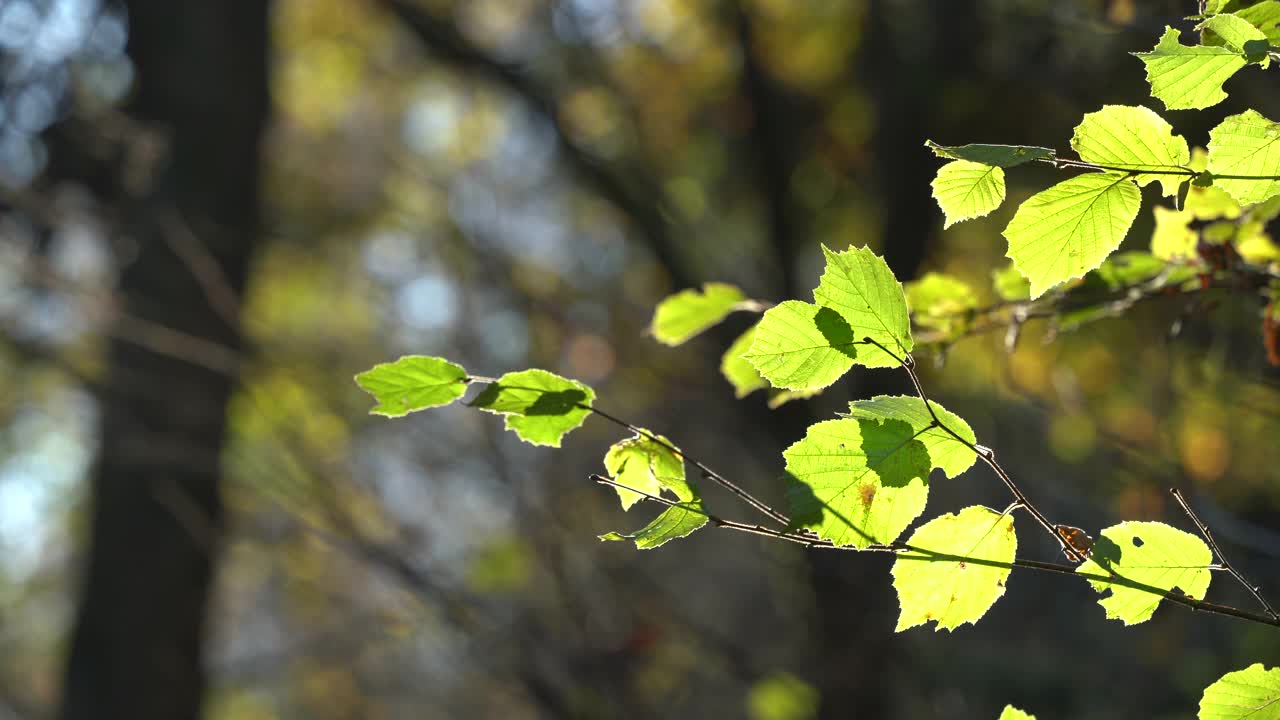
(156, 516)
(857, 608)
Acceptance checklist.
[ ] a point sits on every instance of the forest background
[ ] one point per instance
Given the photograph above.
(214, 214)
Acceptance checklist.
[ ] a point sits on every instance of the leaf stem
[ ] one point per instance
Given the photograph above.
(1254, 590)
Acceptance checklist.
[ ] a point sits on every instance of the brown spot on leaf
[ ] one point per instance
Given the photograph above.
(867, 494)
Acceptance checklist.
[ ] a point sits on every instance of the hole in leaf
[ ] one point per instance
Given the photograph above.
(1137, 541)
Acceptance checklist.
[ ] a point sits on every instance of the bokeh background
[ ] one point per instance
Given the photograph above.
(213, 214)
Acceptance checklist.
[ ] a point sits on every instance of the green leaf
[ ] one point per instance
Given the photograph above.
(672, 524)
(800, 346)
(945, 451)
(1252, 693)
(966, 190)
(1013, 713)
(857, 482)
(646, 462)
(1070, 228)
(1189, 77)
(860, 287)
(414, 382)
(740, 373)
(1133, 138)
(650, 463)
(1173, 238)
(1004, 156)
(1010, 284)
(782, 696)
(1266, 17)
(863, 479)
(934, 583)
(687, 313)
(1149, 553)
(1239, 35)
(1246, 144)
(940, 301)
(1127, 269)
(540, 406)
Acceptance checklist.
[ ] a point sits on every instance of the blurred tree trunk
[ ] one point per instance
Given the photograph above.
(201, 74)
(857, 608)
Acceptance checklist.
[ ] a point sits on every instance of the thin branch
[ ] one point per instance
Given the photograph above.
(1060, 162)
(987, 454)
(639, 203)
(707, 472)
(933, 556)
(204, 267)
(1254, 590)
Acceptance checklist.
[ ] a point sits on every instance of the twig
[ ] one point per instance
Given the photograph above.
(204, 267)
(1254, 590)
(933, 556)
(707, 472)
(1061, 162)
(987, 454)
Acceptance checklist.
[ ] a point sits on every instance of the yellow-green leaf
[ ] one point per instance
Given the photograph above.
(1247, 144)
(1133, 138)
(1249, 694)
(966, 190)
(539, 406)
(687, 313)
(1149, 553)
(935, 584)
(1070, 228)
(1189, 77)
(414, 382)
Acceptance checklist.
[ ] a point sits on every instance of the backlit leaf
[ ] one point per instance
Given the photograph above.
(1149, 553)
(1238, 34)
(934, 584)
(800, 346)
(740, 373)
(945, 451)
(645, 463)
(1266, 17)
(1010, 284)
(1246, 144)
(857, 482)
(671, 524)
(939, 300)
(1252, 693)
(1133, 138)
(1070, 228)
(966, 190)
(652, 464)
(539, 406)
(1189, 77)
(414, 382)
(860, 287)
(1013, 713)
(687, 313)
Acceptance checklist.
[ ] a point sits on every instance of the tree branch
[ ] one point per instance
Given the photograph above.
(637, 201)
